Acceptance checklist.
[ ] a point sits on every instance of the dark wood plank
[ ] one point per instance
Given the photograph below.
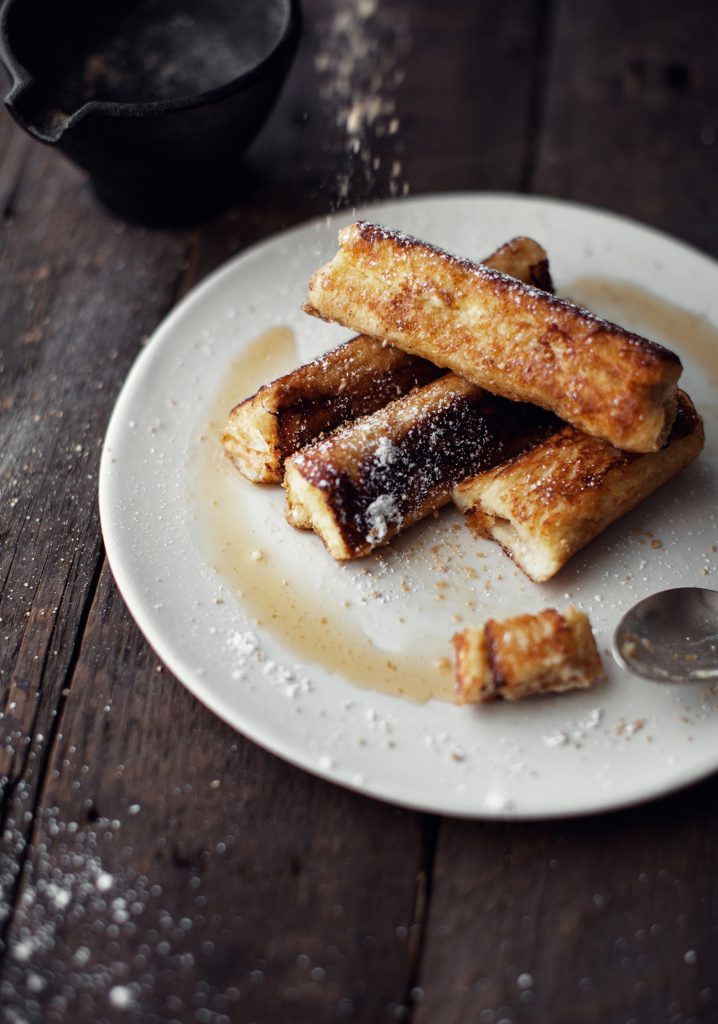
(246, 886)
(606, 920)
(326, 932)
(600, 920)
(629, 116)
(315, 907)
(467, 101)
(80, 293)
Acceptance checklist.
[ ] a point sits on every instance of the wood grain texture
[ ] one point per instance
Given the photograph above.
(315, 905)
(248, 879)
(172, 871)
(198, 870)
(629, 115)
(65, 349)
(466, 110)
(611, 920)
(602, 920)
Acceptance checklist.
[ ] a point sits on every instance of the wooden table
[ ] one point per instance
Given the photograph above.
(156, 866)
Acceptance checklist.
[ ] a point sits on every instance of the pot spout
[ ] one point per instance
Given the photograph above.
(32, 112)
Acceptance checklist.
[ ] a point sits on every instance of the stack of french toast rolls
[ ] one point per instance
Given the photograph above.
(469, 382)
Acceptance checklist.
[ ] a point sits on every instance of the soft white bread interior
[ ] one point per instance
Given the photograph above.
(546, 504)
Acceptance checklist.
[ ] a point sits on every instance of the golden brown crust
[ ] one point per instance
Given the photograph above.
(472, 668)
(349, 381)
(352, 380)
(524, 655)
(549, 502)
(524, 259)
(371, 479)
(509, 337)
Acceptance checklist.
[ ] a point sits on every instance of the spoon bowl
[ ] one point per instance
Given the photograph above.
(671, 636)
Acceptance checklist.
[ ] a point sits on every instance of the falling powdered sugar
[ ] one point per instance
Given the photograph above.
(357, 77)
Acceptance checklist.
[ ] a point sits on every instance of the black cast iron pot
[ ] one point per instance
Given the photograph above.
(156, 99)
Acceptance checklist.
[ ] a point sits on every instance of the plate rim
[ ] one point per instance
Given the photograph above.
(133, 600)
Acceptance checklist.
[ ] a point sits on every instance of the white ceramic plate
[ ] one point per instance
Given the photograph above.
(183, 530)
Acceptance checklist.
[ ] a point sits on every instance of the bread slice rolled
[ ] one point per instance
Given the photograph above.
(350, 381)
(527, 654)
(369, 480)
(511, 338)
(546, 504)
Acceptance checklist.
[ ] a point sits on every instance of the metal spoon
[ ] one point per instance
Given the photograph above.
(671, 636)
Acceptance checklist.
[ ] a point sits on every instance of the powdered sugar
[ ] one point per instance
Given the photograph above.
(380, 515)
(74, 917)
(357, 82)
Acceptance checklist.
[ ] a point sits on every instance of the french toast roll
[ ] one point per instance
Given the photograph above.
(527, 654)
(352, 380)
(506, 336)
(548, 502)
(369, 480)
(349, 381)
(524, 259)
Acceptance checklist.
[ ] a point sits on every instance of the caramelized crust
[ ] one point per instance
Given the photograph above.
(369, 480)
(549, 502)
(352, 380)
(506, 336)
(524, 259)
(524, 655)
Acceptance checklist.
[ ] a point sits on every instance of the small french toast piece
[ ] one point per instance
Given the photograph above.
(527, 654)
(369, 480)
(546, 504)
(352, 380)
(506, 336)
